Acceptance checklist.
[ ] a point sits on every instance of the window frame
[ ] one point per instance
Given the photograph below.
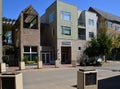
(51, 17)
(66, 15)
(91, 22)
(30, 52)
(91, 34)
(63, 28)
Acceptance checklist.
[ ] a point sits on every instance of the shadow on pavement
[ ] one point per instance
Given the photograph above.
(109, 83)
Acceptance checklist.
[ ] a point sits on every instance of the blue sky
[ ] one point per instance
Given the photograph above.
(12, 8)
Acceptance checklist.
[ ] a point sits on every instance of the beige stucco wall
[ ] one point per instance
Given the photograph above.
(73, 23)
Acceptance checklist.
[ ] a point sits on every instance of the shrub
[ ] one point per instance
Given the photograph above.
(82, 63)
(26, 59)
(5, 59)
(36, 59)
(30, 62)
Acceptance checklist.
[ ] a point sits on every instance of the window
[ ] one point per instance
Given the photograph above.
(91, 34)
(91, 22)
(66, 30)
(31, 52)
(66, 15)
(109, 24)
(119, 28)
(51, 17)
(115, 27)
(79, 48)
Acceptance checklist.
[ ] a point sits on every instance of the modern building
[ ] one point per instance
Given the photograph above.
(113, 26)
(26, 35)
(112, 21)
(0, 30)
(65, 31)
(62, 33)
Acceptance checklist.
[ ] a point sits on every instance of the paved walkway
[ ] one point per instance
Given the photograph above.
(66, 77)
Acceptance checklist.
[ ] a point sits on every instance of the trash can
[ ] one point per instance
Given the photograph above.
(11, 80)
(87, 79)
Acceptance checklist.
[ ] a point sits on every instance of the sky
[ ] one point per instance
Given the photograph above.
(12, 8)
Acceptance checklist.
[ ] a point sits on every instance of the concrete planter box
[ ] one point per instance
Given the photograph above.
(2, 67)
(39, 64)
(21, 65)
(11, 80)
(87, 79)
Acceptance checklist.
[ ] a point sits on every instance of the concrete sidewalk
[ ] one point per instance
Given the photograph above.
(65, 77)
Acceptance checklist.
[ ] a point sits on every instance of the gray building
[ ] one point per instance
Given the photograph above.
(67, 30)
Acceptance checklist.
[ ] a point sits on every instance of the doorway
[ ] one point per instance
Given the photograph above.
(66, 55)
(47, 57)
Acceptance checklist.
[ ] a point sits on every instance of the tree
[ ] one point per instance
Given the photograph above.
(93, 49)
(102, 45)
(105, 44)
(115, 45)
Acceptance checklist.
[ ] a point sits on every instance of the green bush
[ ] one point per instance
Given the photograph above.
(82, 63)
(30, 62)
(26, 59)
(5, 59)
(36, 59)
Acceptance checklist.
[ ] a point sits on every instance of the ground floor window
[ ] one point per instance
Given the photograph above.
(31, 52)
(47, 57)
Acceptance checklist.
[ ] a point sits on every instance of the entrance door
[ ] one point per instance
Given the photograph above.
(64, 57)
(46, 57)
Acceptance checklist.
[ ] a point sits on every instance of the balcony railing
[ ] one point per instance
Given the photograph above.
(81, 37)
(81, 25)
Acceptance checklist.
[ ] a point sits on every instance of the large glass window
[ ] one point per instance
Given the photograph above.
(31, 52)
(51, 17)
(66, 15)
(91, 22)
(66, 30)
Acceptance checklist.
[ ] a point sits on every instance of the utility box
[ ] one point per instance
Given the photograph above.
(11, 80)
(87, 79)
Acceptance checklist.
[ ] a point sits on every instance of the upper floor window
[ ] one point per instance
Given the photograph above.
(51, 17)
(91, 34)
(91, 22)
(119, 28)
(66, 30)
(66, 15)
(109, 24)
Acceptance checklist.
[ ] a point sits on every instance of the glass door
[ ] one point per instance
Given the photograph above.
(46, 57)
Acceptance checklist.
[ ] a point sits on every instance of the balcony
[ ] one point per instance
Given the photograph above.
(81, 37)
(81, 25)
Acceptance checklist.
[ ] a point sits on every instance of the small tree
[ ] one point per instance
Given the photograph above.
(93, 49)
(26, 59)
(36, 59)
